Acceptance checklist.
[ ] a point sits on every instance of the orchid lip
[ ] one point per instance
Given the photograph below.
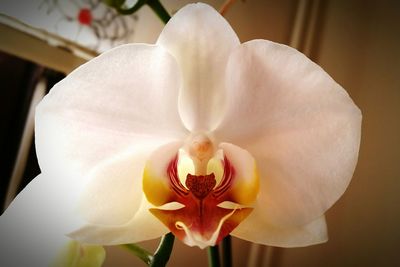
(203, 218)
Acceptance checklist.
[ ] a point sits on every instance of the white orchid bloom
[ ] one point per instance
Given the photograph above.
(198, 135)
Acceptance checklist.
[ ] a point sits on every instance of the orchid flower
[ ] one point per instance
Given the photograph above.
(198, 135)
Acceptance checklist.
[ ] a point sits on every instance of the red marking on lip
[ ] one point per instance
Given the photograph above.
(201, 198)
(200, 185)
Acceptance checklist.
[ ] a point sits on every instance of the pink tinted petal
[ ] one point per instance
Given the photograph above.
(201, 40)
(300, 126)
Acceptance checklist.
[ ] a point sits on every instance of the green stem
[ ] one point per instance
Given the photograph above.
(227, 251)
(159, 9)
(133, 9)
(141, 253)
(163, 251)
(213, 257)
(155, 5)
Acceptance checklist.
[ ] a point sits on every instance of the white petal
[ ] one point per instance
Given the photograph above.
(114, 191)
(257, 230)
(113, 203)
(300, 126)
(201, 40)
(31, 229)
(98, 126)
(143, 226)
(120, 99)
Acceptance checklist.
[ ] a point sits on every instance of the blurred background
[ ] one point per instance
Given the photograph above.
(356, 41)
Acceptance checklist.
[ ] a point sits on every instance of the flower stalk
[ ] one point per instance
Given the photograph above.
(140, 252)
(155, 5)
(160, 257)
(159, 9)
(119, 6)
(163, 251)
(213, 256)
(224, 8)
(227, 252)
